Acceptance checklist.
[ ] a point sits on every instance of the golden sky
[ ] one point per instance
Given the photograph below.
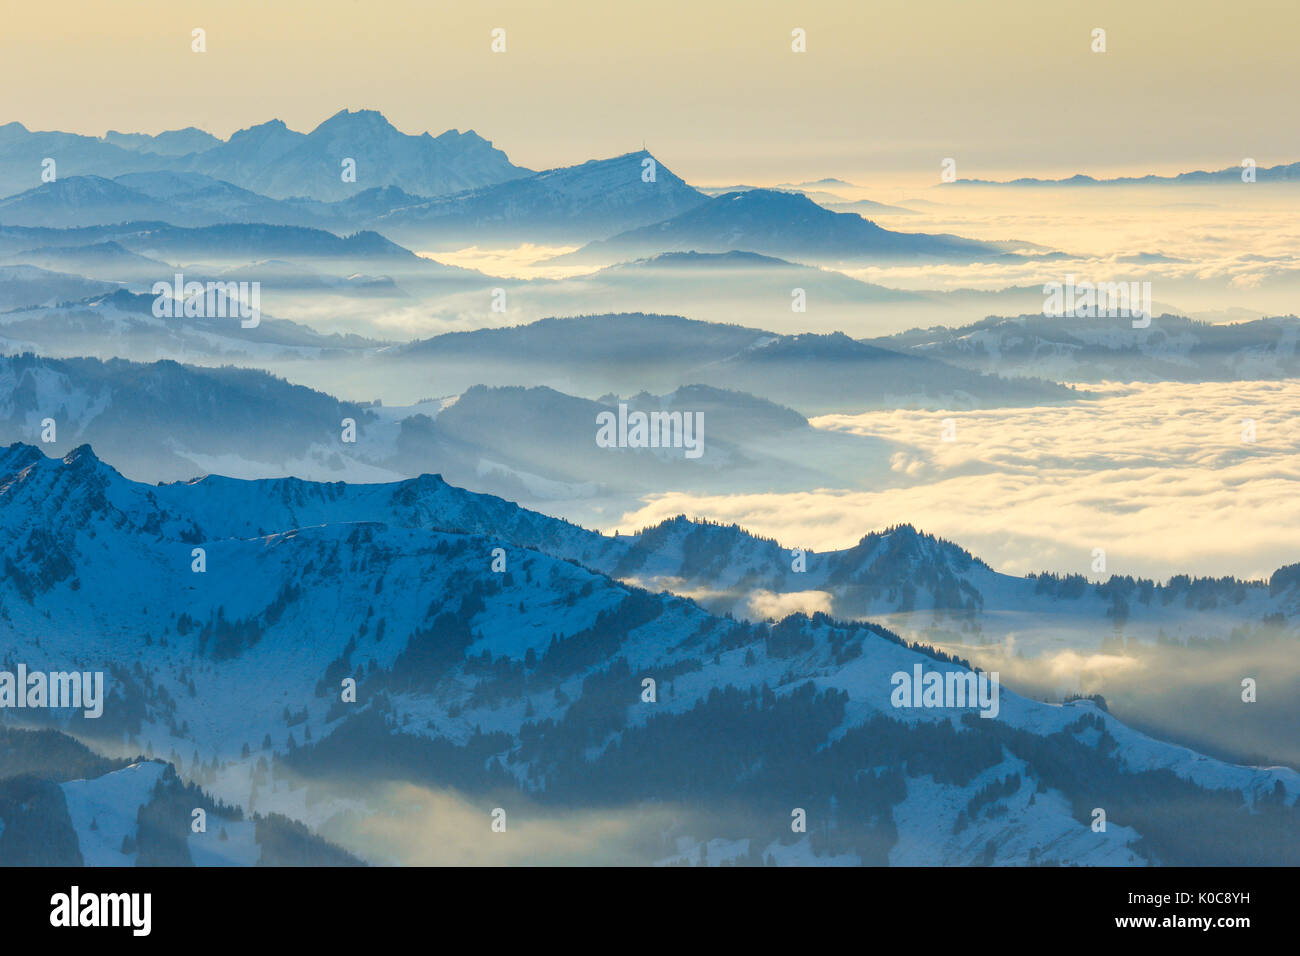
(885, 91)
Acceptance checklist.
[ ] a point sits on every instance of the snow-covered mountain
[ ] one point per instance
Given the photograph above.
(61, 804)
(523, 687)
(935, 585)
(1172, 348)
(537, 445)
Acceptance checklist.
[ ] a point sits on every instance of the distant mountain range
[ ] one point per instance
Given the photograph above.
(732, 287)
(297, 267)
(270, 158)
(447, 192)
(274, 160)
(751, 289)
(1172, 348)
(175, 142)
(80, 201)
(570, 204)
(186, 199)
(30, 285)
(239, 242)
(819, 194)
(535, 445)
(785, 225)
(815, 374)
(122, 323)
(994, 362)
(525, 685)
(107, 262)
(173, 421)
(1283, 173)
(590, 356)
(307, 272)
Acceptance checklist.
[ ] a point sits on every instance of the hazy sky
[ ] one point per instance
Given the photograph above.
(885, 90)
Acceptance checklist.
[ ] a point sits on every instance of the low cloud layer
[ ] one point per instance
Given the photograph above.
(409, 825)
(1159, 476)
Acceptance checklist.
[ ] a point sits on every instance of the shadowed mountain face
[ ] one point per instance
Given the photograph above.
(513, 675)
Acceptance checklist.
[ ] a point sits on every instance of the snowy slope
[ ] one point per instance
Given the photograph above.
(103, 811)
(393, 584)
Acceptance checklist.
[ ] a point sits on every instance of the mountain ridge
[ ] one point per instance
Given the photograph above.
(463, 695)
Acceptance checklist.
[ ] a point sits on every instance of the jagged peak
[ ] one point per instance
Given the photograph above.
(17, 456)
(363, 117)
(21, 462)
(82, 455)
